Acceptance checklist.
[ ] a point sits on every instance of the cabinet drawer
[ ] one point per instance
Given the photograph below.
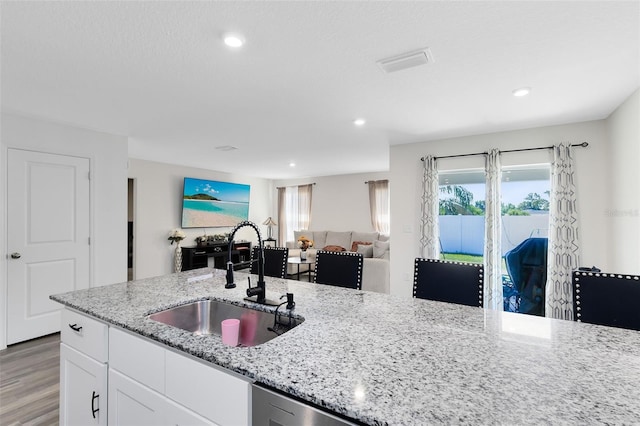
(219, 396)
(137, 358)
(84, 334)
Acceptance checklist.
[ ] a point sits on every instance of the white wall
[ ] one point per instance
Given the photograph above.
(339, 203)
(406, 186)
(623, 213)
(108, 160)
(158, 207)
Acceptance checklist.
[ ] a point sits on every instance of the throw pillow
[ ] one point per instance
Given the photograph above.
(334, 248)
(342, 239)
(381, 249)
(365, 249)
(354, 246)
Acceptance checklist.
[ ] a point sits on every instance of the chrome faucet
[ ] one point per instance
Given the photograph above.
(260, 290)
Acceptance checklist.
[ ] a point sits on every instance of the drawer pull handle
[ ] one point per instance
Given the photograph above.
(94, 410)
(75, 327)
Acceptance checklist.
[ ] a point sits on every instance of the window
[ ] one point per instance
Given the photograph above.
(379, 205)
(525, 228)
(294, 210)
(525, 220)
(461, 220)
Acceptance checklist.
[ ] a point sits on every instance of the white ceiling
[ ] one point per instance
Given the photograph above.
(158, 73)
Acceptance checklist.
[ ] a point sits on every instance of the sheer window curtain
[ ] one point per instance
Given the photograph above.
(304, 206)
(564, 249)
(282, 216)
(379, 205)
(492, 233)
(294, 210)
(429, 233)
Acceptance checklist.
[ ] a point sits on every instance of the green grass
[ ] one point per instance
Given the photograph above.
(471, 258)
(460, 257)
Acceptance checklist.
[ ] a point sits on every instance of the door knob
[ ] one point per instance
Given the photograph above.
(15, 255)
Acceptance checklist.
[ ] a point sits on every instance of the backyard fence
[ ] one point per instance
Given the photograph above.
(465, 234)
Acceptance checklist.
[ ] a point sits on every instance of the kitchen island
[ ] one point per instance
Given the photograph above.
(383, 359)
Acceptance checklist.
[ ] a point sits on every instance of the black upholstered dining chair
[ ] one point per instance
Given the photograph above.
(447, 281)
(275, 261)
(341, 269)
(606, 299)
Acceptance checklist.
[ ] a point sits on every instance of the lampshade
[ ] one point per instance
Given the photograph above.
(269, 222)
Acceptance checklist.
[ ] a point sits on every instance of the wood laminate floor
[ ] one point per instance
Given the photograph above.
(30, 382)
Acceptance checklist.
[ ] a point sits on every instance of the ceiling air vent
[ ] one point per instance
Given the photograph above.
(406, 60)
(226, 148)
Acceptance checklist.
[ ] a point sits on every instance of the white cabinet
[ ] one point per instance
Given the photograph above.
(217, 395)
(177, 415)
(148, 384)
(83, 389)
(132, 404)
(83, 370)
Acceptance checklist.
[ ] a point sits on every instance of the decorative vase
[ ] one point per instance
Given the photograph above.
(177, 258)
(303, 255)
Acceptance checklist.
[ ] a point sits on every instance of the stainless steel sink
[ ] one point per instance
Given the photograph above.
(205, 316)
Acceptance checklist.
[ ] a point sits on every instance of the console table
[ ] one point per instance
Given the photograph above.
(197, 256)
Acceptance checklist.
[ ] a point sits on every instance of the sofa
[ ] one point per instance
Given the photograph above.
(373, 246)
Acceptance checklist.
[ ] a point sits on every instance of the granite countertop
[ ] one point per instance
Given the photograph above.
(383, 359)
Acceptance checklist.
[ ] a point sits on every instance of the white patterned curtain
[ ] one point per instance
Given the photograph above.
(493, 234)
(379, 205)
(429, 233)
(564, 253)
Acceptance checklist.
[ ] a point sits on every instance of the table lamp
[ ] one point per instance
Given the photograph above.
(270, 223)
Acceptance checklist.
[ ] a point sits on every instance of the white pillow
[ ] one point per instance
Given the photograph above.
(381, 249)
(366, 250)
(342, 239)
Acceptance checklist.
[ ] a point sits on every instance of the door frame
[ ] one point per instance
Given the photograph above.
(4, 247)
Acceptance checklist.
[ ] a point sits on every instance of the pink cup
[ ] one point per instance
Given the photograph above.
(230, 331)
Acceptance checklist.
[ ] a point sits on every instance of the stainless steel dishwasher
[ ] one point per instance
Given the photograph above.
(270, 408)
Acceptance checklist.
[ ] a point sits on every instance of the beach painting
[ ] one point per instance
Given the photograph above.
(208, 203)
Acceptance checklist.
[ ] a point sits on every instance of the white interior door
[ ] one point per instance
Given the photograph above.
(48, 238)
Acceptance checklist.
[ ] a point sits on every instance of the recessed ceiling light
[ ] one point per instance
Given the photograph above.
(523, 91)
(292, 164)
(359, 121)
(233, 40)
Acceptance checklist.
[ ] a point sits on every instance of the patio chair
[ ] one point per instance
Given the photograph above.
(447, 281)
(341, 269)
(275, 261)
(527, 267)
(606, 299)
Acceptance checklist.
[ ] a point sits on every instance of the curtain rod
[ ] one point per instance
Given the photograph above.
(583, 145)
(381, 180)
(282, 187)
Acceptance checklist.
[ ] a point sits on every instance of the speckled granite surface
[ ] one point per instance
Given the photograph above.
(387, 360)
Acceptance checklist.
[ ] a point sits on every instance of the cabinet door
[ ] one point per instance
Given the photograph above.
(177, 415)
(83, 396)
(133, 404)
(213, 393)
